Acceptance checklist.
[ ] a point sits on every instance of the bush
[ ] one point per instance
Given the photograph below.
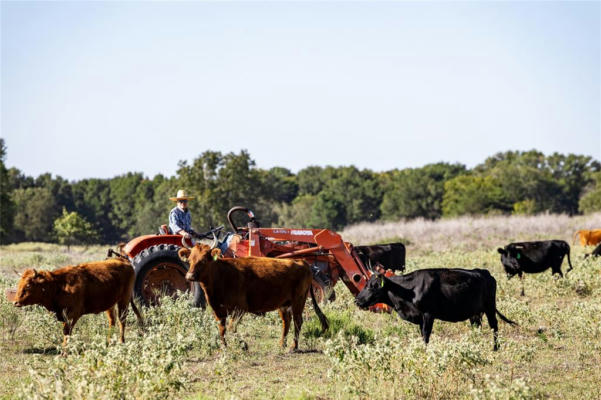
(71, 228)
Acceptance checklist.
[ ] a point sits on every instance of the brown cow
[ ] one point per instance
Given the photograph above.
(73, 291)
(588, 237)
(254, 284)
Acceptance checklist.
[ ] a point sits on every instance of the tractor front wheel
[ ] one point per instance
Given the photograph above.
(160, 272)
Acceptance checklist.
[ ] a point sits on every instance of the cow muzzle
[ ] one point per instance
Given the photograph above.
(190, 276)
(361, 304)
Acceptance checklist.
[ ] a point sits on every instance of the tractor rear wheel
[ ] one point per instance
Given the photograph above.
(160, 272)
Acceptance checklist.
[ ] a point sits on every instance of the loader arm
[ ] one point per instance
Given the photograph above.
(351, 269)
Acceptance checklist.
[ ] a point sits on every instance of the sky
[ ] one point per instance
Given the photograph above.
(99, 89)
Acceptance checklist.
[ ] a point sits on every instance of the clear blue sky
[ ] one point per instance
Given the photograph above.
(98, 89)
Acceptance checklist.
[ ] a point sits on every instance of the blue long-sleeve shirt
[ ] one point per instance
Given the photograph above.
(179, 220)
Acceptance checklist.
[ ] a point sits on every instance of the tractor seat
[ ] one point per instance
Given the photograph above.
(164, 230)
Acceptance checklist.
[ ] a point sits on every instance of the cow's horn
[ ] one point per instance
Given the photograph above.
(184, 243)
(214, 244)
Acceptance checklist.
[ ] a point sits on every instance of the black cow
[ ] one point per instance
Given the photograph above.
(534, 257)
(390, 256)
(424, 295)
(595, 253)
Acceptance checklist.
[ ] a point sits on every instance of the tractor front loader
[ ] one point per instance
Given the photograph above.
(159, 270)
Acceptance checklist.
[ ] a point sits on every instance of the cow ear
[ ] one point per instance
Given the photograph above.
(215, 253)
(183, 254)
(35, 273)
(501, 251)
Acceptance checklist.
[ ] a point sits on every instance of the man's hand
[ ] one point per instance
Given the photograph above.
(184, 234)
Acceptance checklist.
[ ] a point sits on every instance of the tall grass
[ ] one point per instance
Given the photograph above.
(472, 232)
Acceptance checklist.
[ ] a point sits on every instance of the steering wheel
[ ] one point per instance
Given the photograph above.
(251, 216)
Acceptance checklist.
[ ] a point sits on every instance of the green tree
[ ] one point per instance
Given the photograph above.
(328, 212)
(348, 196)
(591, 199)
(468, 194)
(123, 199)
(59, 187)
(549, 183)
(297, 214)
(7, 206)
(35, 212)
(153, 205)
(311, 180)
(417, 192)
(573, 173)
(219, 182)
(71, 228)
(92, 200)
(18, 180)
(279, 184)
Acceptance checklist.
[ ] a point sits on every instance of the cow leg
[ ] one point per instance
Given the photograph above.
(494, 325)
(476, 320)
(298, 323)
(222, 330)
(122, 313)
(522, 282)
(286, 317)
(235, 319)
(557, 270)
(110, 314)
(427, 323)
(68, 328)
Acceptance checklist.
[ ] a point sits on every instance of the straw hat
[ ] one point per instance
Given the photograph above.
(181, 195)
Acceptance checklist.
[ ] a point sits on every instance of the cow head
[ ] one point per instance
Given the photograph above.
(33, 288)
(510, 258)
(198, 257)
(374, 291)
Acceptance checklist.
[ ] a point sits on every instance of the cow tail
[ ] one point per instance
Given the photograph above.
(574, 236)
(504, 318)
(569, 261)
(136, 311)
(322, 318)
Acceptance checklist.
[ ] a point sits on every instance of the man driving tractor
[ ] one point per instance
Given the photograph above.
(180, 219)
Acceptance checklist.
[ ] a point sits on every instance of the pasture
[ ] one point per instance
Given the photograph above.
(554, 353)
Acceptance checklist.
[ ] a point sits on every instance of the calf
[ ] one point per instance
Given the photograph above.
(389, 256)
(254, 284)
(424, 295)
(534, 257)
(73, 291)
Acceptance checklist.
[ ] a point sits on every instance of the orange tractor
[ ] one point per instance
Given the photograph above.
(159, 270)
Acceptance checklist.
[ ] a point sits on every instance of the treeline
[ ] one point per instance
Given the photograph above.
(47, 208)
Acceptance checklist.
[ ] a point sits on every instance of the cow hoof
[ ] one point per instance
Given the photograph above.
(243, 345)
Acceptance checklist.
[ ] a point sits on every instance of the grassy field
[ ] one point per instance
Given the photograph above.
(554, 353)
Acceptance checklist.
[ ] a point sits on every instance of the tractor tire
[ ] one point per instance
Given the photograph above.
(159, 272)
